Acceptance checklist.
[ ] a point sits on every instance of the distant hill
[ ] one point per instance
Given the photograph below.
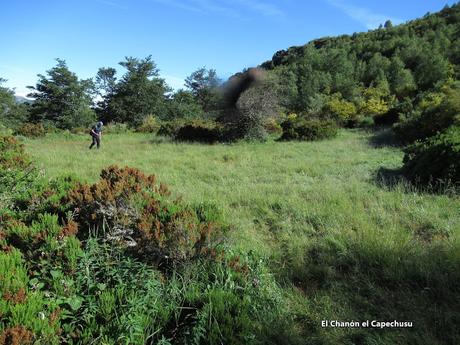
(399, 61)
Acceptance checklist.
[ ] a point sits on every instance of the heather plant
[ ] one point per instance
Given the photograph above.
(16, 171)
(132, 208)
(31, 130)
(27, 316)
(43, 196)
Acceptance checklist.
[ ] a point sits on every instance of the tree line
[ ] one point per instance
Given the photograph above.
(63, 100)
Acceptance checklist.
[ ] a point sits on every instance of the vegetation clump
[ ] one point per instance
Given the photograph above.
(132, 208)
(80, 262)
(31, 130)
(200, 131)
(434, 113)
(435, 161)
(302, 128)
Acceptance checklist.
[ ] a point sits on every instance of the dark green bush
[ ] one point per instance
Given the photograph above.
(169, 128)
(394, 114)
(200, 131)
(435, 161)
(295, 128)
(387, 119)
(431, 121)
(31, 130)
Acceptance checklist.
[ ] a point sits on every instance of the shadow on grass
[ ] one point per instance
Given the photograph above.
(384, 137)
(394, 179)
(391, 178)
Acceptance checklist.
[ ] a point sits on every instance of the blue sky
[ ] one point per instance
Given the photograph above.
(181, 35)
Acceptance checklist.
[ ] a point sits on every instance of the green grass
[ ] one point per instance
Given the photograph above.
(341, 244)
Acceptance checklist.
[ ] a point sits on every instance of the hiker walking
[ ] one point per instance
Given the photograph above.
(96, 133)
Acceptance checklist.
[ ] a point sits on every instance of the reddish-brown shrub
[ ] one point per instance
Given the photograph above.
(133, 209)
(15, 297)
(12, 154)
(17, 335)
(32, 130)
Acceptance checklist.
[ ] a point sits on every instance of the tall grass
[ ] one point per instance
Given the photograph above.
(341, 243)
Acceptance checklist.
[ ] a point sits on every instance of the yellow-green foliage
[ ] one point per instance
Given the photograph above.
(149, 125)
(340, 107)
(430, 100)
(374, 101)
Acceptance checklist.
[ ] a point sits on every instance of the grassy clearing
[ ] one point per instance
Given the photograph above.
(343, 246)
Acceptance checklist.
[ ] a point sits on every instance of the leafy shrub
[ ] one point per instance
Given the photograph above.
(79, 130)
(272, 126)
(16, 171)
(210, 301)
(116, 128)
(136, 211)
(395, 113)
(436, 160)
(199, 131)
(149, 125)
(434, 119)
(31, 130)
(364, 122)
(4, 130)
(170, 128)
(340, 108)
(295, 128)
(389, 118)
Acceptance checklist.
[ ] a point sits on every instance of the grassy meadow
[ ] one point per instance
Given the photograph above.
(343, 244)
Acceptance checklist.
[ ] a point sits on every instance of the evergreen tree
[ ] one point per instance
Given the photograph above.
(62, 99)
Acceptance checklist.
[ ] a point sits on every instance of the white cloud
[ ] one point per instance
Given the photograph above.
(112, 4)
(227, 8)
(263, 8)
(181, 5)
(366, 17)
